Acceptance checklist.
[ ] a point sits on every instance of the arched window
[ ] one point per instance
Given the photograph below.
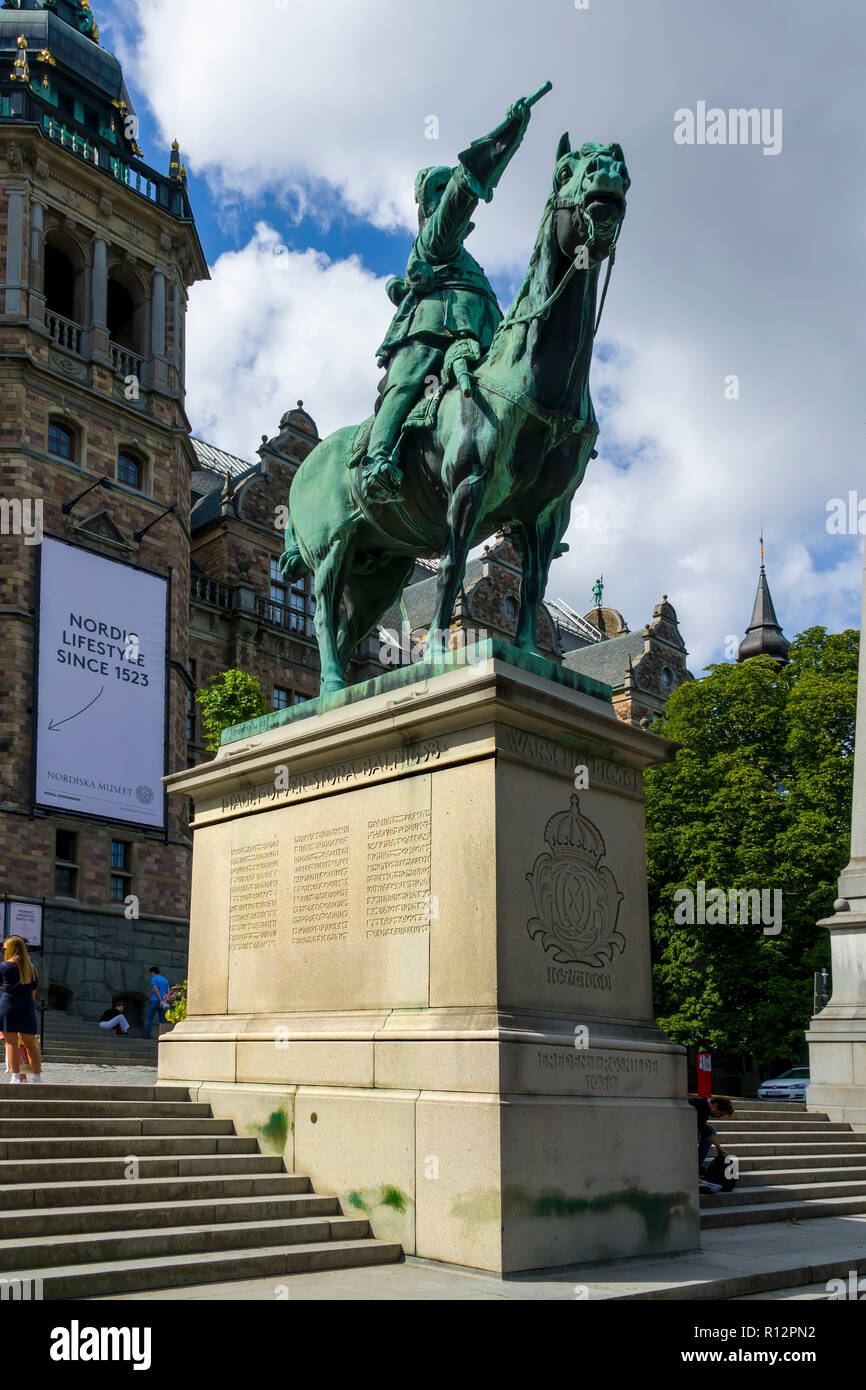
(62, 440)
(130, 469)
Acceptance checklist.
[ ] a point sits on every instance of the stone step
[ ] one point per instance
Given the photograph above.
(779, 1163)
(113, 1046)
(100, 1042)
(67, 1129)
(803, 1125)
(756, 1108)
(794, 1192)
(124, 1245)
(160, 1145)
(747, 1213)
(49, 1108)
(66, 1169)
(845, 1144)
(15, 1197)
(112, 1277)
(767, 1106)
(772, 1136)
(155, 1215)
(79, 1057)
(52, 1091)
(206, 1204)
(91, 1057)
(762, 1177)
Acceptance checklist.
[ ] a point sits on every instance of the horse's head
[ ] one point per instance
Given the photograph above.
(589, 188)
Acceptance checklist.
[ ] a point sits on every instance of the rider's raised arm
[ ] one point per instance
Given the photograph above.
(444, 231)
(475, 177)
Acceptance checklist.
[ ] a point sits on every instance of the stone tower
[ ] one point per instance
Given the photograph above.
(97, 252)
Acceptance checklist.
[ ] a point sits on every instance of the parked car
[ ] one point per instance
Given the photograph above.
(791, 1085)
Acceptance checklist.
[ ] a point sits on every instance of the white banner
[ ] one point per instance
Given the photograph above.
(101, 727)
(25, 920)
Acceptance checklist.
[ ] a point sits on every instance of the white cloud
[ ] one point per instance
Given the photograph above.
(271, 327)
(730, 262)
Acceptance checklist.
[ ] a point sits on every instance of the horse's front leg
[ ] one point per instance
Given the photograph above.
(537, 543)
(464, 511)
(331, 575)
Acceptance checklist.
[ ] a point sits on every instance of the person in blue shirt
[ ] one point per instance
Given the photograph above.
(156, 1003)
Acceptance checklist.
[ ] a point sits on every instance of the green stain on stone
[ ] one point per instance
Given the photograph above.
(275, 1131)
(384, 1196)
(393, 1197)
(656, 1209)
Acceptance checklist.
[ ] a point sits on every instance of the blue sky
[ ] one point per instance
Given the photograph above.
(302, 126)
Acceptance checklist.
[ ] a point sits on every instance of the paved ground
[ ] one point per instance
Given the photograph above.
(95, 1074)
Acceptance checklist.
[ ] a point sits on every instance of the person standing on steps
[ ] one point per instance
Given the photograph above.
(18, 981)
(156, 1003)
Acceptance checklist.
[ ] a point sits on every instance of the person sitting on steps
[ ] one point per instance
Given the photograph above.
(114, 1021)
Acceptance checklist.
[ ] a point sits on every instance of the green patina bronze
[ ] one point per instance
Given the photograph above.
(483, 422)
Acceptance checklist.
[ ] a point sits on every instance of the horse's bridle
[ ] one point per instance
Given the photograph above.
(555, 204)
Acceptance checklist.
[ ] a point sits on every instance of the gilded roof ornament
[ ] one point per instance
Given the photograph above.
(21, 68)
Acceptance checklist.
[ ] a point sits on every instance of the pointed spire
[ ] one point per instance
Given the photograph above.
(176, 170)
(764, 635)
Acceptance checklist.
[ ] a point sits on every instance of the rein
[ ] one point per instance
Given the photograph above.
(557, 205)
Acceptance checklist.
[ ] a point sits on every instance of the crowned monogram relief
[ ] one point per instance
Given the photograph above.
(576, 897)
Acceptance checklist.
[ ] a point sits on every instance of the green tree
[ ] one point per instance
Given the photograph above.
(231, 699)
(759, 797)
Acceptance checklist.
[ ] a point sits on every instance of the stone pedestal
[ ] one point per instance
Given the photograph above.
(419, 964)
(837, 1038)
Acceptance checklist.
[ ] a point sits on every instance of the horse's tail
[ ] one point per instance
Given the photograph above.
(292, 562)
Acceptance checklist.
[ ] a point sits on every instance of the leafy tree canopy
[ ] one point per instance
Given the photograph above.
(759, 797)
(231, 699)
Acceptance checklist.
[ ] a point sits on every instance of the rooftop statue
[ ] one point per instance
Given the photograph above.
(482, 421)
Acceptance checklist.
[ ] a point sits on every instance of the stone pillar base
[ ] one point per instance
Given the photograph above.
(419, 965)
(837, 1038)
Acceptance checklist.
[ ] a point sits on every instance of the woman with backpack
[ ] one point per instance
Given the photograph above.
(18, 981)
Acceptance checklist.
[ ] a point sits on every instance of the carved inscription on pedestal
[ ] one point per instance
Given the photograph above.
(320, 886)
(398, 875)
(253, 885)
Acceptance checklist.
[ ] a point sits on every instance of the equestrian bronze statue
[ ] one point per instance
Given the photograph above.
(482, 422)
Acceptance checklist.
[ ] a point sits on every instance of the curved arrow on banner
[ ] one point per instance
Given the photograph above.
(54, 724)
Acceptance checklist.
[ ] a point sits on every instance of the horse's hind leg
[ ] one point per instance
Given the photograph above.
(331, 573)
(366, 598)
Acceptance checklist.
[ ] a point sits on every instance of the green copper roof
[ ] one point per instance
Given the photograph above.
(76, 13)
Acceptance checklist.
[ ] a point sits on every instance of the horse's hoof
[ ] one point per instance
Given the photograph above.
(333, 687)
